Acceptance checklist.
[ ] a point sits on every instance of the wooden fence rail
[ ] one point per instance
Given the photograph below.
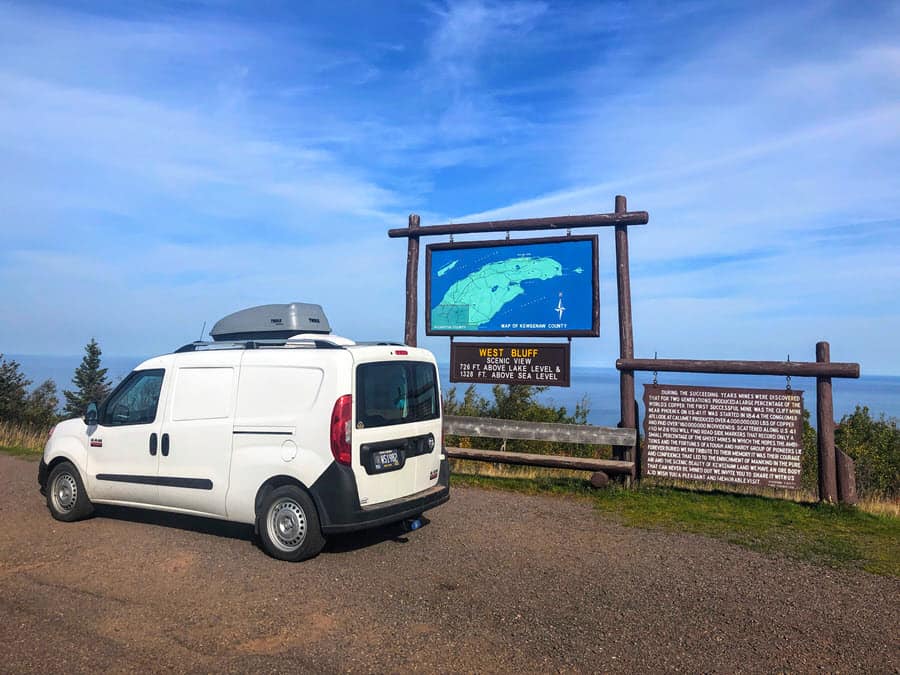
(795, 368)
(539, 431)
(489, 427)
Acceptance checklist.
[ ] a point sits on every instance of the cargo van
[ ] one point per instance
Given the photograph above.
(301, 434)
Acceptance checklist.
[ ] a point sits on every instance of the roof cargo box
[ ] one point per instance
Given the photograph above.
(271, 322)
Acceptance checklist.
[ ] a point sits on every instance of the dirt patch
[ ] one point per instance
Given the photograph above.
(315, 626)
(495, 582)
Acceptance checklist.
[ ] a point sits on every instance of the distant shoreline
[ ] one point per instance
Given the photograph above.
(881, 393)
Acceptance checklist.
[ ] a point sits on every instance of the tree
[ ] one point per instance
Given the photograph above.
(41, 405)
(874, 445)
(13, 385)
(809, 457)
(90, 380)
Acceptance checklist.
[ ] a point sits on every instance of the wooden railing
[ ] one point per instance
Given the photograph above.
(486, 427)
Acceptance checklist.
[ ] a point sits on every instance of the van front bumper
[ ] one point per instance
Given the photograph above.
(337, 501)
(42, 476)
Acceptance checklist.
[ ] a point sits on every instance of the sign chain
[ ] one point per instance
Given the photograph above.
(788, 377)
(654, 372)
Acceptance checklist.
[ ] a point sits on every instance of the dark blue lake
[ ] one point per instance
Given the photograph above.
(601, 385)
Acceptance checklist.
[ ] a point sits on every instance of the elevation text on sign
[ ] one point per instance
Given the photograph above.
(539, 363)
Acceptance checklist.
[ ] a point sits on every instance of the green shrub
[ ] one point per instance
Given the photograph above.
(809, 458)
(874, 444)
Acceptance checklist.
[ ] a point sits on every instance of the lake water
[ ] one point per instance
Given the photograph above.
(880, 393)
(601, 386)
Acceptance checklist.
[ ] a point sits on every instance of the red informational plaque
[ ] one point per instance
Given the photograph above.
(726, 435)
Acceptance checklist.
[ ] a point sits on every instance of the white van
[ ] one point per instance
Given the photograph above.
(302, 436)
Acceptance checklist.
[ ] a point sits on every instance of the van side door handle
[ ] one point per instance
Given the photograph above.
(165, 445)
(152, 444)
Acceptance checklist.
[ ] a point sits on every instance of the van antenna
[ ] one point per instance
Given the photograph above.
(202, 330)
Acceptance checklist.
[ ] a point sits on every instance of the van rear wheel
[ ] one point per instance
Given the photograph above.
(288, 525)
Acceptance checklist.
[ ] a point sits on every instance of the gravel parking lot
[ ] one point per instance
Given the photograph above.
(495, 582)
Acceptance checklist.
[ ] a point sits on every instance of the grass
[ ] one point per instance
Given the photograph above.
(842, 537)
(19, 451)
(22, 441)
(831, 535)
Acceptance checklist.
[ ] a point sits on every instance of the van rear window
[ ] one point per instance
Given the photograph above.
(398, 392)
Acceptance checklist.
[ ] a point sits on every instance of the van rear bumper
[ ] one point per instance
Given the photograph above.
(337, 501)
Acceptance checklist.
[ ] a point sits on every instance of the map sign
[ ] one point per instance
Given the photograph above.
(537, 287)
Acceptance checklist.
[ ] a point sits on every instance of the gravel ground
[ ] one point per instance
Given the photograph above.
(495, 582)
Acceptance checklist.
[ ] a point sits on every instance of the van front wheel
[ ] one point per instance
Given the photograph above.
(288, 525)
(66, 496)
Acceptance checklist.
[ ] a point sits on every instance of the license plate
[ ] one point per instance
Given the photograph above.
(386, 459)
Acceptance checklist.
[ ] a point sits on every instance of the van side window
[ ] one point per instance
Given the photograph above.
(135, 400)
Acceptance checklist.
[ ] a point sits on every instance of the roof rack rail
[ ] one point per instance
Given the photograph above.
(381, 343)
(201, 345)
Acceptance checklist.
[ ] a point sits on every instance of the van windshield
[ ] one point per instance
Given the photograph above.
(398, 392)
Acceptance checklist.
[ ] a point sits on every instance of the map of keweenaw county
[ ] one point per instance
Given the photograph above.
(526, 288)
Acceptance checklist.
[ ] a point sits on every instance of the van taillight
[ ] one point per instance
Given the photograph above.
(340, 429)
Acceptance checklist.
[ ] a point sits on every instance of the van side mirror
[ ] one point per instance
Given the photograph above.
(91, 416)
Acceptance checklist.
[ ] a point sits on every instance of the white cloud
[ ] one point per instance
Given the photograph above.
(141, 301)
(166, 152)
(468, 29)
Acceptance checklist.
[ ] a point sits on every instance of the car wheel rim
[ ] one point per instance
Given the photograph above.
(286, 525)
(65, 492)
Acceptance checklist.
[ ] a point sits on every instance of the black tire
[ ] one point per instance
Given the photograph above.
(288, 525)
(66, 497)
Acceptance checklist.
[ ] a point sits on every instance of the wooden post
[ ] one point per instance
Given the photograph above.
(639, 457)
(599, 479)
(412, 283)
(626, 339)
(825, 430)
(846, 478)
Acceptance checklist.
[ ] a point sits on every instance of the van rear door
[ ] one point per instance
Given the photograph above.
(397, 429)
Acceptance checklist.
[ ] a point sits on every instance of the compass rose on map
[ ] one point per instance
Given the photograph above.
(559, 307)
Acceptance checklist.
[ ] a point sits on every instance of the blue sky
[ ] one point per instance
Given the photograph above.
(163, 164)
